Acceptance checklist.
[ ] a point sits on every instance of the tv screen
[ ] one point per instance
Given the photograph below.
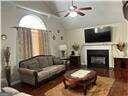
(98, 35)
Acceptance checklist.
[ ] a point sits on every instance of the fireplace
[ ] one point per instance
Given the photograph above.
(98, 59)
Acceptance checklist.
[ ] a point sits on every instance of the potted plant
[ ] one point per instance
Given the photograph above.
(75, 47)
(121, 46)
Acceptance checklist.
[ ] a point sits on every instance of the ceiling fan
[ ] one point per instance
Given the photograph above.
(74, 10)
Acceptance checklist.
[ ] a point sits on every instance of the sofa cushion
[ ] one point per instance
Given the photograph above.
(33, 64)
(56, 61)
(54, 69)
(5, 94)
(43, 61)
(50, 71)
(10, 90)
(43, 75)
(50, 60)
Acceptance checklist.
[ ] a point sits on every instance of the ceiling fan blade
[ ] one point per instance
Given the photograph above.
(85, 8)
(67, 14)
(80, 13)
(60, 11)
(75, 7)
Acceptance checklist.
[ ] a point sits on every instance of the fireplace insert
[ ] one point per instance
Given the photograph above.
(98, 59)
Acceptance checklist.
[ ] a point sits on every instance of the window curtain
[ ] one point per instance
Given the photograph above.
(24, 42)
(43, 42)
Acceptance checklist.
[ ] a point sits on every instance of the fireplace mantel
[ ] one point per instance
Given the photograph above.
(97, 46)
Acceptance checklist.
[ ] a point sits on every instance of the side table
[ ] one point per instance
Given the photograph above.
(8, 74)
(66, 62)
(74, 61)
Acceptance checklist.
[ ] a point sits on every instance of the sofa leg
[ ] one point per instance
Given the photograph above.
(36, 80)
(36, 85)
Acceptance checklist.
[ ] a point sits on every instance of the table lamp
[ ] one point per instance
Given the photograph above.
(63, 48)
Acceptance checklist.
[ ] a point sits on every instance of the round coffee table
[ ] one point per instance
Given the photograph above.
(88, 80)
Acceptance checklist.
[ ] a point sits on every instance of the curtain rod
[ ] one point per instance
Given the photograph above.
(25, 27)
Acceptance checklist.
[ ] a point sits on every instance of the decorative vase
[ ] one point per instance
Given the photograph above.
(72, 53)
(76, 53)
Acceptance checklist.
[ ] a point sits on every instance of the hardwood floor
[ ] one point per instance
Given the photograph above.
(119, 88)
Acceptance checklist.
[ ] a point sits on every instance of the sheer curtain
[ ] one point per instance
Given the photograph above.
(43, 42)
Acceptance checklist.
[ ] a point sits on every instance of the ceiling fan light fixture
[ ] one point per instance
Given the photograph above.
(71, 8)
(73, 14)
(74, 10)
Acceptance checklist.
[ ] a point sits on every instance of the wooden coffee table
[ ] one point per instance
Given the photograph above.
(88, 80)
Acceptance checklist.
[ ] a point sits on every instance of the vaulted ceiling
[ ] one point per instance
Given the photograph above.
(103, 12)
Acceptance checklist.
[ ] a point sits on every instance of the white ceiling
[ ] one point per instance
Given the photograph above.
(103, 12)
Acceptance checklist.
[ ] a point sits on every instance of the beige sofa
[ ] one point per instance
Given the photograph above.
(9, 91)
(39, 68)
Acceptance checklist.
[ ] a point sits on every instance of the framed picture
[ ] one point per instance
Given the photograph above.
(54, 37)
(61, 37)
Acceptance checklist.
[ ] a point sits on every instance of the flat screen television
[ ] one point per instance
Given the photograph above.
(95, 35)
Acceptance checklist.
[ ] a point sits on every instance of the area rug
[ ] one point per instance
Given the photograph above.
(102, 88)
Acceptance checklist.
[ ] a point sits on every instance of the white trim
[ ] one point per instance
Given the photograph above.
(32, 10)
(25, 8)
(99, 44)
(98, 47)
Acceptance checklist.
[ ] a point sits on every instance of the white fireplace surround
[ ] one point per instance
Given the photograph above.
(96, 46)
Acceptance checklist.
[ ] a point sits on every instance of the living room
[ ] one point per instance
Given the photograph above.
(74, 36)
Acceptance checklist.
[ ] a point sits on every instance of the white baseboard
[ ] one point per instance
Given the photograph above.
(15, 82)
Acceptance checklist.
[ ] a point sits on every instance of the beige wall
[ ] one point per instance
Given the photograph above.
(11, 16)
(74, 36)
(119, 33)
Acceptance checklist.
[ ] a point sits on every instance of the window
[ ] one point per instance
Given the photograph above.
(33, 22)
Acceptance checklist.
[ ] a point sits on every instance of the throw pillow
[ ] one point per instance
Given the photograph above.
(33, 65)
(10, 90)
(56, 61)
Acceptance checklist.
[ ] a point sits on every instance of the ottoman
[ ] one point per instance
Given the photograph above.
(82, 77)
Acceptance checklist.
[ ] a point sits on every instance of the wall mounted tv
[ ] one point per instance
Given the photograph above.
(99, 34)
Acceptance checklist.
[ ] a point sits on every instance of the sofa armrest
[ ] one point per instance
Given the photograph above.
(26, 71)
(29, 73)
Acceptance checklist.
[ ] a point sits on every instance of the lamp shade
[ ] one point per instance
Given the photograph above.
(73, 14)
(62, 47)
